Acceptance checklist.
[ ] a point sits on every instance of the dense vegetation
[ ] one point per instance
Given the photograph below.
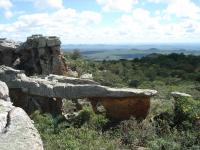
(171, 125)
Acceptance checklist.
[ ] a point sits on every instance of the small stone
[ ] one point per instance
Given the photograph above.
(86, 76)
(179, 94)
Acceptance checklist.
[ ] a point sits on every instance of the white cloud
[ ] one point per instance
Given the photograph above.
(86, 27)
(43, 4)
(159, 1)
(183, 8)
(180, 8)
(6, 5)
(117, 5)
(90, 17)
(143, 26)
(69, 24)
(139, 25)
(8, 14)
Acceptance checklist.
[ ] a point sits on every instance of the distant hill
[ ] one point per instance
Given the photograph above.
(116, 52)
(94, 47)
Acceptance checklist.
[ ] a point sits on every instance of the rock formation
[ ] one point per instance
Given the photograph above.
(41, 55)
(7, 52)
(38, 55)
(119, 103)
(16, 128)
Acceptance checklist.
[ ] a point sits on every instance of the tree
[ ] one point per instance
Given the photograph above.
(76, 54)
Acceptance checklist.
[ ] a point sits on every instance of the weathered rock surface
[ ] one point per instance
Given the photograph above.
(41, 55)
(38, 55)
(16, 128)
(119, 103)
(64, 87)
(4, 92)
(179, 94)
(86, 76)
(123, 108)
(7, 51)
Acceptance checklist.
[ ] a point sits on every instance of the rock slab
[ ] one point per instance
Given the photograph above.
(65, 87)
(119, 103)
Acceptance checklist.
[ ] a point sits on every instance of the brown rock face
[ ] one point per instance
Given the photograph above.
(123, 108)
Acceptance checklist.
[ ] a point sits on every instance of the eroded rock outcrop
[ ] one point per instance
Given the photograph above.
(41, 55)
(38, 55)
(7, 51)
(16, 128)
(119, 103)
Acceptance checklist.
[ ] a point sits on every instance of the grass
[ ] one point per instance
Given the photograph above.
(89, 131)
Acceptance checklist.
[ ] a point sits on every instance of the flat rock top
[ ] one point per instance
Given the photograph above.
(40, 41)
(145, 92)
(179, 94)
(65, 87)
(5, 43)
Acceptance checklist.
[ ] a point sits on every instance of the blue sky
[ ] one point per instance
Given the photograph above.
(102, 21)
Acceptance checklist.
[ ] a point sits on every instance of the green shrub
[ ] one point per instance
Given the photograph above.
(187, 108)
(98, 122)
(176, 140)
(84, 133)
(83, 117)
(90, 119)
(165, 144)
(134, 133)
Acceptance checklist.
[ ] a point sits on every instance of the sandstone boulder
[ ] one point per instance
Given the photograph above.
(16, 128)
